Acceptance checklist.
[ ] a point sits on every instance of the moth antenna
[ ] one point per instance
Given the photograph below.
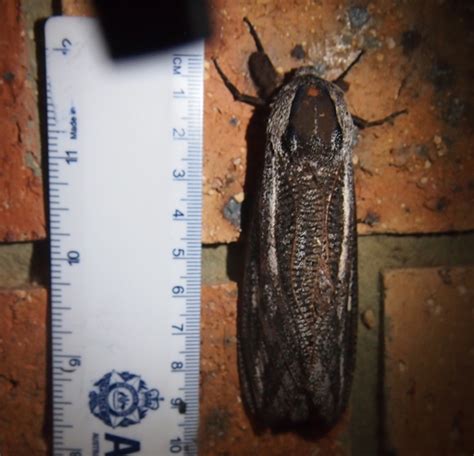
(341, 77)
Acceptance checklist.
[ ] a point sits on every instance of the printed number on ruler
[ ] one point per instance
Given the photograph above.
(125, 167)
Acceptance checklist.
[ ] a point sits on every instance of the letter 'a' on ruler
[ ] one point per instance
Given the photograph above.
(125, 167)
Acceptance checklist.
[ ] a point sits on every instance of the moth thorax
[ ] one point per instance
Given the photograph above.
(313, 127)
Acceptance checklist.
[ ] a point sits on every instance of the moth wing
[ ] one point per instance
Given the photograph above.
(271, 364)
(294, 318)
(268, 370)
(333, 343)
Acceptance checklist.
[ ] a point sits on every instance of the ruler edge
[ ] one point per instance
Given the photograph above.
(49, 25)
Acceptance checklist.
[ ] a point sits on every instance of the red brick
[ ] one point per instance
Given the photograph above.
(407, 180)
(21, 193)
(429, 360)
(23, 372)
(411, 177)
(77, 7)
(224, 426)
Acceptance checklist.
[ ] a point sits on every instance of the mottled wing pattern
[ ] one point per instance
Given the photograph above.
(297, 314)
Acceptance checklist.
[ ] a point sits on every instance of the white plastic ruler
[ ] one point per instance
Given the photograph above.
(125, 158)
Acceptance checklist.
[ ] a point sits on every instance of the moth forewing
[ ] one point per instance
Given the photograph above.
(296, 321)
(295, 353)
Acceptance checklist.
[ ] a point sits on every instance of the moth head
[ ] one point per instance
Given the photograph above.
(313, 130)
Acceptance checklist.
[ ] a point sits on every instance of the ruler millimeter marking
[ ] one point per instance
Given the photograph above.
(125, 167)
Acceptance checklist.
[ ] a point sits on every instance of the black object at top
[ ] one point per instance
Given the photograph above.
(134, 27)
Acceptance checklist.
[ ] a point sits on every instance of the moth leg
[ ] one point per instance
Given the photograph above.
(238, 96)
(256, 38)
(362, 123)
(339, 81)
(262, 71)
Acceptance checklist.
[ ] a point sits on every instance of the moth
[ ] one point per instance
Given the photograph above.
(297, 316)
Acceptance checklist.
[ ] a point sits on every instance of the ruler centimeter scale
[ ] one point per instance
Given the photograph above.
(125, 171)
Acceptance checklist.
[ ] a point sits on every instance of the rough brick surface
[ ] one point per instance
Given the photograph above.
(224, 426)
(21, 193)
(22, 372)
(77, 7)
(414, 176)
(429, 361)
(411, 177)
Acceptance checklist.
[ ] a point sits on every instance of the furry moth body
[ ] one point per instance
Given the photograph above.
(297, 313)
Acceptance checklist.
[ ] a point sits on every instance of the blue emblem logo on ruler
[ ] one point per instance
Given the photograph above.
(122, 399)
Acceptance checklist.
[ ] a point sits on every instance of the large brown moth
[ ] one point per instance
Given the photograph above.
(297, 316)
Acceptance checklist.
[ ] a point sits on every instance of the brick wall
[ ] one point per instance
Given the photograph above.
(414, 182)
